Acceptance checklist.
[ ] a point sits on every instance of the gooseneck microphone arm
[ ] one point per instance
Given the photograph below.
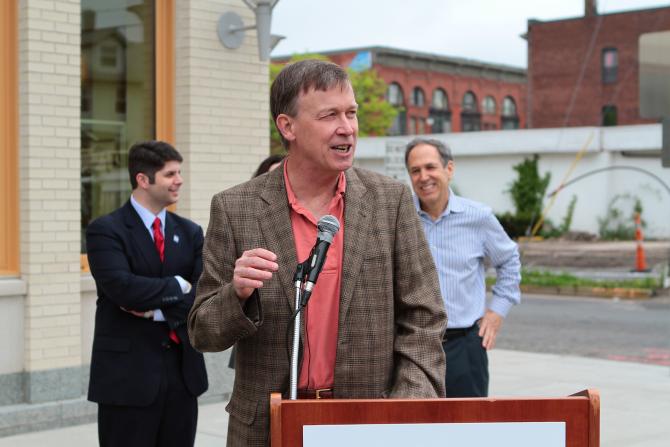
(297, 281)
(304, 280)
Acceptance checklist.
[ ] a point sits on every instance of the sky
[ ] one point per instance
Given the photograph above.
(483, 30)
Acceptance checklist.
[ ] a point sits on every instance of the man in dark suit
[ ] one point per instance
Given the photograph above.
(145, 375)
(373, 326)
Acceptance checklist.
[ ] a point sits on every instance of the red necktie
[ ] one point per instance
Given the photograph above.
(159, 240)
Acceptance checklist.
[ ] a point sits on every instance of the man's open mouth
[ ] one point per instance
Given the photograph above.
(342, 148)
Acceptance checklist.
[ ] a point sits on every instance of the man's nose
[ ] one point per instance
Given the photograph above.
(346, 126)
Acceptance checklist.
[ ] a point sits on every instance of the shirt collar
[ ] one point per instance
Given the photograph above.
(147, 216)
(454, 205)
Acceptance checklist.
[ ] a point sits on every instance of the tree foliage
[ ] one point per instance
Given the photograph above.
(528, 189)
(375, 113)
(527, 193)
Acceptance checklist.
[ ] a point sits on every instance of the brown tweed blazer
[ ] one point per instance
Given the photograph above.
(391, 316)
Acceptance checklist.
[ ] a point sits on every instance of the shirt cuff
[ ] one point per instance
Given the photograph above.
(158, 315)
(501, 306)
(185, 285)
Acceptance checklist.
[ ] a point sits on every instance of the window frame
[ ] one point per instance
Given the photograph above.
(418, 98)
(609, 115)
(489, 105)
(400, 95)
(509, 121)
(9, 135)
(475, 106)
(609, 74)
(164, 76)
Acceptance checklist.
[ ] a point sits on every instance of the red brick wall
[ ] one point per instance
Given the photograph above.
(454, 86)
(556, 53)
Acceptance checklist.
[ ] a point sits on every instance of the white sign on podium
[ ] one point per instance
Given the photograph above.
(476, 434)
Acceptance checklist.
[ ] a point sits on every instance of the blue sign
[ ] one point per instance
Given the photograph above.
(362, 61)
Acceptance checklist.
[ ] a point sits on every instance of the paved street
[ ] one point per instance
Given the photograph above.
(549, 346)
(635, 400)
(629, 330)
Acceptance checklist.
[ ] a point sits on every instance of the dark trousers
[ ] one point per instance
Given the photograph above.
(169, 421)
(467, 363)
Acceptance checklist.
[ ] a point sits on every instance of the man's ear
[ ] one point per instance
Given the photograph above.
(450, 169)
(142, 180)
(285, 126)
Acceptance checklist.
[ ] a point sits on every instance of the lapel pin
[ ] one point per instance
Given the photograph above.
(175, 238)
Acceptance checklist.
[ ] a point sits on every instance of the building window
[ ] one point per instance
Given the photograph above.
(489, 105)
(118, 90)
(417, 125)
(470, 116)
(510, 117)
(609, 115)
(396, 98)
(418, 98)
(9, 137)
(108, 56)
(610, 65)
(439, 117)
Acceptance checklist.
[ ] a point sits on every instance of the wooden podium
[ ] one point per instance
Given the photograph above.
(580, 413)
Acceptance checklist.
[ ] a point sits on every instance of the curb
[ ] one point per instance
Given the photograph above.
(599, 292)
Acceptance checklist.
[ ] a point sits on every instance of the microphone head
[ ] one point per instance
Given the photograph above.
(328, 226)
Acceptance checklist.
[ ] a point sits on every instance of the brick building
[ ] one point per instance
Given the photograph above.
(584, 71)
(437, 94)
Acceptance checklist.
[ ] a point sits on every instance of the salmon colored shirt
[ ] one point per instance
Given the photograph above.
(322, 311)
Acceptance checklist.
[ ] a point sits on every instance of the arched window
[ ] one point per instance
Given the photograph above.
(440, 116)
(418, 98)
(440, 101)
(510, 118)
(470, 116)
(469, 102)
(395, 97)
(489, 105)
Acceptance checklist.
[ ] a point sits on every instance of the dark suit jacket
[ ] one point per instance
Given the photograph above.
(391, 315)
(127, 350)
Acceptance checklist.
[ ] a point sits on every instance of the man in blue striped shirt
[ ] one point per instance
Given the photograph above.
(461, 233)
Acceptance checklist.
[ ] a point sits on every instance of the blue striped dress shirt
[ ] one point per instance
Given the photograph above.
(461, 237)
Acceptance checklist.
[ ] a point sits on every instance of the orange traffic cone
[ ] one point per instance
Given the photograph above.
(640, 261)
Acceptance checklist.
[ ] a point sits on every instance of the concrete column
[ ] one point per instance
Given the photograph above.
(49, 42)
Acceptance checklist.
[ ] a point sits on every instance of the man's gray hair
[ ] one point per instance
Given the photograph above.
(442, 149)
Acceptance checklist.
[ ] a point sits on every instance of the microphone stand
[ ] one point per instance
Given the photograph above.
(297, 280)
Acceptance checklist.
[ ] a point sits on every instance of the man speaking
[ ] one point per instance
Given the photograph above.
(374, 323)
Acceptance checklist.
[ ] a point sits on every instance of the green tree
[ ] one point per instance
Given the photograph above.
(528, 189)
(375, 114)
(527, 193)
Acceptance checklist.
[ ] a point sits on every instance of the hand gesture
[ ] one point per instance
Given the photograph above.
(251, 270)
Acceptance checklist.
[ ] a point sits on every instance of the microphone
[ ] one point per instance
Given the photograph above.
(328, 226)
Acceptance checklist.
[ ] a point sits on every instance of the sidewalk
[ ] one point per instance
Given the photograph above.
(635, 400)
(602, 255)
